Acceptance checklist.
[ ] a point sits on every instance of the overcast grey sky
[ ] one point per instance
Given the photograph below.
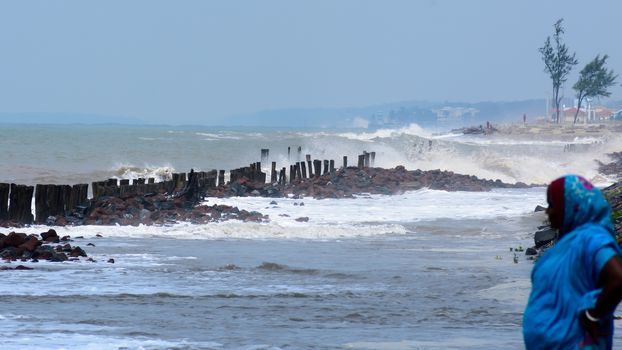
(200, 61)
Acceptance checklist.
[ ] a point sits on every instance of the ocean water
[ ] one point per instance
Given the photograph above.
(420, 270)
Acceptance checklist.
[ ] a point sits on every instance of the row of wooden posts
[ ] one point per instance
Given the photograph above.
(52, 200)
(297, 171)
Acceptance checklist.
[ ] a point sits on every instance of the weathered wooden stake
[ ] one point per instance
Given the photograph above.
(303, 168)
(298, 171)
(4, 201)
(265, 155)
(282, 177)
(221, 178)
(273, 174)
(345, 162)
(309, 164)
(317, 167)
(20, 206)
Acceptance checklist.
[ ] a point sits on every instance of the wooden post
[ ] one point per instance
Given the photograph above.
(303, 169)
(298, 171)
(325, 167)
(331, 166)
(210, 178)
(124, 182)
(317, 165)
(182, 181)
(41, 207)
(232, 175)
(299, 154)
(4, 201)
(78, 196)
(361, 162)
(345, 162)
(66, 194)
(221, 178)
(373, 158)
(366, 154)
(95, 188)
(54, 200)
(308, 158)
(282, 177)
(265, 153)
(292, 173)
(273, 174)
(288, 152)
(252, 172)
(20, 207)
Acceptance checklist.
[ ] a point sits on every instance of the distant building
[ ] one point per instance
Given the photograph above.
(586, 114)
(454, 113)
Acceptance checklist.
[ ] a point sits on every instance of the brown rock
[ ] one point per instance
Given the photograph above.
(31, 244)
(50, 236)
(15, 239)
(77, 251)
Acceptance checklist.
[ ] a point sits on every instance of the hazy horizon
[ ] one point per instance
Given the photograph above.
(205, 62)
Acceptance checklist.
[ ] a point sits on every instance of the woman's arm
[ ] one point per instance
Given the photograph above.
(611, 282)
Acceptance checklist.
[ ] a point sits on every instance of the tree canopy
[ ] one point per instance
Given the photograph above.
(594, 81)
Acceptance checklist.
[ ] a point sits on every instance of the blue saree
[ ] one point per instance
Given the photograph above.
(565, 279)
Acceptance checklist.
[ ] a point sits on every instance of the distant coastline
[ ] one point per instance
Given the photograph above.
(427, 114)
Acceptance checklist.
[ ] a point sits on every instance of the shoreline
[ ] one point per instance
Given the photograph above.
(184, 205)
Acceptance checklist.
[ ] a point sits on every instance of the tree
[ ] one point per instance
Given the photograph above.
(594, 81)
(557, 62)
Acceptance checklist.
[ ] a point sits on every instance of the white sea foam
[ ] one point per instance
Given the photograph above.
(214, 137)
(409, 207)
(130, 171)
(508, 159)
(333, 218)
(59, 336)
(412, 130)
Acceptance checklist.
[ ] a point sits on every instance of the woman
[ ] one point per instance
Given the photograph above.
(577, 283)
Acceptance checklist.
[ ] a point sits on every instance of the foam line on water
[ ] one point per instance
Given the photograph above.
(332, 218)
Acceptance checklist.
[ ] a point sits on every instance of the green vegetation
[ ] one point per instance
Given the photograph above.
(594, 81)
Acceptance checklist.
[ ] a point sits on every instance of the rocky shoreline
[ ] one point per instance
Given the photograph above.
(188, 205)
(44, 246)
(545, 236)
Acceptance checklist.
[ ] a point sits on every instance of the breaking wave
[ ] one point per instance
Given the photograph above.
(160, 173)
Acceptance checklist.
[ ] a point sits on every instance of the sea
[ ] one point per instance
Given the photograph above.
(422, 269)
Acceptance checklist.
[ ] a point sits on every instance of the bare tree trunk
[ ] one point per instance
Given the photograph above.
(578, 109)
(557, 101)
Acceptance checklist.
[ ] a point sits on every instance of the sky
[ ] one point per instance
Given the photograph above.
(201, 62)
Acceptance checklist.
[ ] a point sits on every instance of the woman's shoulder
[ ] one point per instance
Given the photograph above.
(595, 236)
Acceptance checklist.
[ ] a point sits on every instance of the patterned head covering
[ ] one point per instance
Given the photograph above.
(582, 203)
